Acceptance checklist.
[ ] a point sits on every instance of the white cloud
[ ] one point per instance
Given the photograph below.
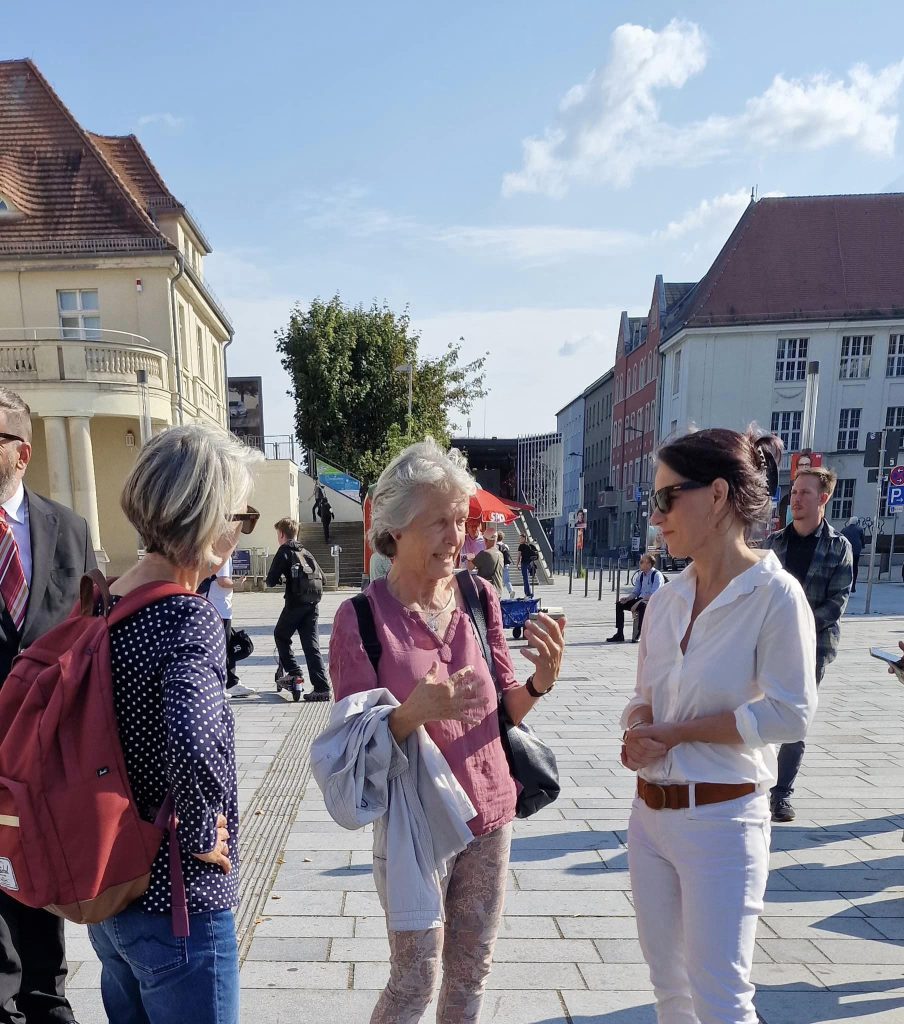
(528, 384)
(537, 245)
(580, 342)
(609, 126)
(165, 119)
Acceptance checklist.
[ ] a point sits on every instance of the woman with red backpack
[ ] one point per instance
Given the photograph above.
(187, 498)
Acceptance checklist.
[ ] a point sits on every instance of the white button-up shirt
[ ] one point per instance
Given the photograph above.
(752, 651)
(16, 510)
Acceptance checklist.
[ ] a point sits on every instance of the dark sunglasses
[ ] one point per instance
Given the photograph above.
(248, 519)
(11, 437)
(661, 500)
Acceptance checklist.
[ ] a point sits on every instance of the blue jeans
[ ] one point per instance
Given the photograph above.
(149, 976)
(525, 575)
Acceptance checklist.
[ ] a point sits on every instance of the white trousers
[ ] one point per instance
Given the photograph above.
(698, 878)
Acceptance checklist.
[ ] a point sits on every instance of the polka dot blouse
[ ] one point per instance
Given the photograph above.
(178, 733)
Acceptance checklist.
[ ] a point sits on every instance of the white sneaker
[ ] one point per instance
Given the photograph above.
(240, 691)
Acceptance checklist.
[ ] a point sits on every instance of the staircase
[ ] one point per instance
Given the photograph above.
(349, 537)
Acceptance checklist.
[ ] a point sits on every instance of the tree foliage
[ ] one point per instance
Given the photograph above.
(351, 404)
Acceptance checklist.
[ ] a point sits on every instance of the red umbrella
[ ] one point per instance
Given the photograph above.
(489, 509)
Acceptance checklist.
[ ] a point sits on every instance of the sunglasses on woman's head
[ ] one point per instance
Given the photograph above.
(248, 519)
(661, 500)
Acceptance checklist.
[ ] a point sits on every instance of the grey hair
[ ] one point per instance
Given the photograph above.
(183, 489)
(853, 521)
(18, 413)
(420, 470)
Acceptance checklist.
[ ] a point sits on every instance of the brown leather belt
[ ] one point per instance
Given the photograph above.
(676, 798)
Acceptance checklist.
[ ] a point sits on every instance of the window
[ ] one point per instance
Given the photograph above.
(676, 372)
(848, 430)
(843, 499)
(856, 350)
(894, 367)
(791, 359)
(787, 426)
(79, 315)
(183, 337)
(894, 417)
(199, 335)
(4, 206)
(637, 470)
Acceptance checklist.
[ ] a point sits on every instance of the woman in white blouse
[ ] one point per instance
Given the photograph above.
(726, 670)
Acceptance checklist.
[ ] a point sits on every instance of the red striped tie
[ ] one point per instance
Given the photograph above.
(13, 586)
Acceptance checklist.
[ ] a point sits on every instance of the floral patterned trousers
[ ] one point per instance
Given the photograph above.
(475, 894)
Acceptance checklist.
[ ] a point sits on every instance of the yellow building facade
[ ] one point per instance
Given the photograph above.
(107, 327)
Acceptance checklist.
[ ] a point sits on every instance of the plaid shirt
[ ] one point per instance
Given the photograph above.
(827, 586)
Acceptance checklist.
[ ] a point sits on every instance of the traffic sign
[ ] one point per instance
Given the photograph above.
(896, 476)
(895, 497)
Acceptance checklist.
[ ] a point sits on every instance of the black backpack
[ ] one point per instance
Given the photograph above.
(304, 578)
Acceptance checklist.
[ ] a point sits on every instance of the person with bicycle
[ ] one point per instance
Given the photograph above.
(647, 582)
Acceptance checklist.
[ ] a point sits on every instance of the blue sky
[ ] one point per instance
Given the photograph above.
(515, 172)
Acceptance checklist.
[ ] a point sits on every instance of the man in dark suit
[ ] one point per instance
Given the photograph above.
(39, 582)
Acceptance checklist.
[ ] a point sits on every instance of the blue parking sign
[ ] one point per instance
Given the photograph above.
(895, 496)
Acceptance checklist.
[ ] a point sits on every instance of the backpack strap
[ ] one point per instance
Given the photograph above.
(368, 629)
(475, 605)
(146, 594)
(87, 595)
(166, 819)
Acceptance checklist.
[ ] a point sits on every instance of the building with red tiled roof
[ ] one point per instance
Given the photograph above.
(101, 278)
(799, 280)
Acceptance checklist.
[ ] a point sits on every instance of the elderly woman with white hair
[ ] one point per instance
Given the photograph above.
(431, 662)
(187, 497)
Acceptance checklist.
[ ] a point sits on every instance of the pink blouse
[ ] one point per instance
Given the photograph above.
(474, 752)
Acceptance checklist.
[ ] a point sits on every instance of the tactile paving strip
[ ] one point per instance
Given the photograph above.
(267, 819)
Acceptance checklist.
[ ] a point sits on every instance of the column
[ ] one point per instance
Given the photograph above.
(84, 491)
(57, 444)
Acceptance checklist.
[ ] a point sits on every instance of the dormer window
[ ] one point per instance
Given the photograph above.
(4, 206)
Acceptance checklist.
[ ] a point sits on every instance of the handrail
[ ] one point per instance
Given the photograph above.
(63, 334)
(125, 243)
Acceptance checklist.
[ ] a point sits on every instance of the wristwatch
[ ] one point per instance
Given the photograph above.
(529, 686)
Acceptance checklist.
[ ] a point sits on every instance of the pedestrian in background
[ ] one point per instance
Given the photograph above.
(649, 580)
(506, 564)
(856, 537)
(298, 569)
(222, 587)
(725, 670)
(326, 517)
(45, 548)
(527, 555)
(187, 497)
(489, 563)
(821, 561)
(473, 543)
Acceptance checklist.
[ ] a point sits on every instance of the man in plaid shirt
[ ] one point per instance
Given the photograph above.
(822, 561)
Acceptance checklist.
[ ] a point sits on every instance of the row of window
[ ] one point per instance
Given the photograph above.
(635, 425)
(633, 472)
(638, 376)
(787, 425)
(856, 356)
(599, 412)
(595, 453)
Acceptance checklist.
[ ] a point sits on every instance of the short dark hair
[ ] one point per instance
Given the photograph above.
(287, 527)
(827, 478)
(747, 462)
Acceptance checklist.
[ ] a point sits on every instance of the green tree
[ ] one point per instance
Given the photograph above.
(351, 404)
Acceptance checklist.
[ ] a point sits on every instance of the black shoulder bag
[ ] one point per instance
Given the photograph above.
(531, 762)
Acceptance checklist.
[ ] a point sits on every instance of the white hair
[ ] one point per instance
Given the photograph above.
(853, 521)
(421, 472)
(184, 488)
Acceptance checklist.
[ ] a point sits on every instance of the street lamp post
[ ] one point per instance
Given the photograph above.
(637, 483)
(574, 550)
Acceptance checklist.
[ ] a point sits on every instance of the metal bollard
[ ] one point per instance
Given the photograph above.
(617, 587)
(586, 582)
(599, 596)
(570, 581)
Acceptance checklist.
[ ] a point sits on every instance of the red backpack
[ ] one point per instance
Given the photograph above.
(71, 838)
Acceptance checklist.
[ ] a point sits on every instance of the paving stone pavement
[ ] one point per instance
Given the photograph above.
(831, 942)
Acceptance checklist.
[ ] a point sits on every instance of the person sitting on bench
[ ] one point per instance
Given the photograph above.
(649, 580)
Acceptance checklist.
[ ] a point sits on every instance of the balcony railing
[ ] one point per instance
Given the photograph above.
(53, 354)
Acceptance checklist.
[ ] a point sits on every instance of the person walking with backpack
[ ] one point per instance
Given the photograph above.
(186, 496)
(506, 564)
(326, 517)
(304, 588)
(45, 548)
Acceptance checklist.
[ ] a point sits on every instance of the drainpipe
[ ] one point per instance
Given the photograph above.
(229, 341)
(180, 259)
